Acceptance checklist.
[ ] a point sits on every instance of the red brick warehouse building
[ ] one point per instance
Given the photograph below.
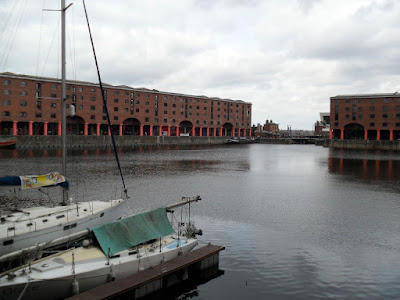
(366, 117)
(31, 105)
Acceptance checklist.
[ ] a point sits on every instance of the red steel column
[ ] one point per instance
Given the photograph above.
(201, 131)
(59, 129)
(98, 129)
(85, 129)
(30, 129)
(220, 131)
(365, 134)
(341, 134)
(177, 130)
(109, 130)
(208, 131)
(151, 130)
(215, 131)
(15, 127)
(233, 131)
(244, 132)
(141, 130)
(160, 130)
(391, 135)
(169, 130)
(45, 128)
(378, 135)
(193, 131)
(121, 129)
(330, 133)
(238, 132)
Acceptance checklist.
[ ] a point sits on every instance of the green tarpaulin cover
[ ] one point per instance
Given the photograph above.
(131, 231)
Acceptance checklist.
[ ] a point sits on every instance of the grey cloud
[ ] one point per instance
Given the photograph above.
(307, 5)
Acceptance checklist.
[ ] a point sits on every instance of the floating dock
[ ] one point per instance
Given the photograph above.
(162, 276)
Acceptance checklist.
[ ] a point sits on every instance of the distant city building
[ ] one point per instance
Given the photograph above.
(365, 117)
(322, 126)
(269, 129)
(31, 105)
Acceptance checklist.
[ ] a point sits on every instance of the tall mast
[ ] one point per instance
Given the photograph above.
(63, 101)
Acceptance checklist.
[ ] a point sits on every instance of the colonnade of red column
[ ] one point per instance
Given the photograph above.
(235, 131)
(378, 135)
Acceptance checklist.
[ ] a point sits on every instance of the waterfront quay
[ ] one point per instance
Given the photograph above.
(361, 144)
(90, 142)
(105, 141)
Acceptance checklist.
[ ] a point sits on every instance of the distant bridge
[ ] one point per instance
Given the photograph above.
(303, 140)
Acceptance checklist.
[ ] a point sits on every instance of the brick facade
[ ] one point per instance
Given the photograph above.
(31, 105)
(365, 117)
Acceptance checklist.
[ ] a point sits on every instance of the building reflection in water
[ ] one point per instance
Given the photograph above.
(368, 169)
(179, 158)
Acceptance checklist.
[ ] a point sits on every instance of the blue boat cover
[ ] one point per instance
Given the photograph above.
(10, 180)
(131, 231)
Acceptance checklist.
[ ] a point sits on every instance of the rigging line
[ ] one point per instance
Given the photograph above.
(58, 64)
(51, 45)
(73, 43)
(13, 34)
(9, 15)
(5, 38)
(104, 100)
(71, 56)
(40, 38)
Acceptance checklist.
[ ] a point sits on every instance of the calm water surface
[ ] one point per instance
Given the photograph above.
(297, 221)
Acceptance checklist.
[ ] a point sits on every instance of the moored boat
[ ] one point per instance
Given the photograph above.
(121, 248)
(7, 142)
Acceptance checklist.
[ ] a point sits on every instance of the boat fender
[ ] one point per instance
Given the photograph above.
(75, 287)
(198, 232)
(111, 276)
(86, 243)
(11, 276)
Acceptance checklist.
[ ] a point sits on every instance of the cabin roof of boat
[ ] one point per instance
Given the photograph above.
(131, 231)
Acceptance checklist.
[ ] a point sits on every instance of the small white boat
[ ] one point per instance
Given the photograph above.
(38, 225)
(77, 270)
(7, 142)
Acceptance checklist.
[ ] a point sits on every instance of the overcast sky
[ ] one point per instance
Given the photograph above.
(285, 57)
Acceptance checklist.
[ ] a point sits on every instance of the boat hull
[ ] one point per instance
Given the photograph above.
(62, 282)
(23, 236)
(7, 143)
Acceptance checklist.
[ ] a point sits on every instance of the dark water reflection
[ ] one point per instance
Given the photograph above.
(297, 221)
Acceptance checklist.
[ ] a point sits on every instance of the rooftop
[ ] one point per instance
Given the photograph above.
(356, 96)
(124, 87)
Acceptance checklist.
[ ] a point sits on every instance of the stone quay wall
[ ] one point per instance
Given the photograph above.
(90, 142)
(362, 144)
(275, 141)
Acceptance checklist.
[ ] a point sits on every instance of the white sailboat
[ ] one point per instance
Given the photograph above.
(44, 225)
(124, 247)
